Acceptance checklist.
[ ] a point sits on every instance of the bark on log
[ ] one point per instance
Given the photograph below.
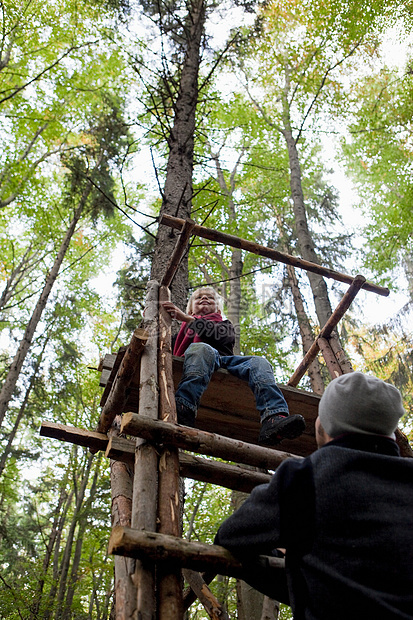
(128, 369)
(340, 354)
(179, 250)
(211, 604)
(190, 596)
(330, 359)
(121, 482)
(163, 548)
(326, 331)
(233, 477)
(203, 442)
(144, 503)
(255, 248)
(169, 577)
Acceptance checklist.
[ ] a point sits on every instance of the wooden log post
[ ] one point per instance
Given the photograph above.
(144, 507)
(121, 481)
(170, 605)
(340, 354)
(189, 594)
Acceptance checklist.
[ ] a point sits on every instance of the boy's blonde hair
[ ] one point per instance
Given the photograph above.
(206, 289)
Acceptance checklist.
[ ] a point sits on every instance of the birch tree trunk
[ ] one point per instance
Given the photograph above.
(177, 193)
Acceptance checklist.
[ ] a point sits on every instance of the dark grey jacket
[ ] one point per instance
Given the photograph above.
(345, 517)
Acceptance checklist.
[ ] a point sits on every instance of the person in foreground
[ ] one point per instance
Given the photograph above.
(207, 343)
(343, 515)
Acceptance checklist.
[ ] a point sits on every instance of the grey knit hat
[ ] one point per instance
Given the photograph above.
(359, 403)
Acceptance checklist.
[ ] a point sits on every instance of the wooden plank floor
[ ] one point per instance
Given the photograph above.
(228, 407)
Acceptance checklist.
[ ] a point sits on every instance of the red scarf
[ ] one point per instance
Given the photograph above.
(185, 337)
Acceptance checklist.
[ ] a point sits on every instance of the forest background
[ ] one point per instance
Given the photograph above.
(284, 122)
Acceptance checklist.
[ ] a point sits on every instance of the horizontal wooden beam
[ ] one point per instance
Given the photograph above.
(202, 442)
(233, 477)
(196, 556)
(71, 434)
(261, 250)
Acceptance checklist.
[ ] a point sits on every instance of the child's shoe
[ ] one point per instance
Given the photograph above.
(278, 427)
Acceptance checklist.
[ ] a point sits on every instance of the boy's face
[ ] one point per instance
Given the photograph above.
(203, 302)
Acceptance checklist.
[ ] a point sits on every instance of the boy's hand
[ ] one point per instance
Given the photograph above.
(176, 313)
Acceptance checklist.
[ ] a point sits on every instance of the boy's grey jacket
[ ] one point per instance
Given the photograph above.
(345, 517)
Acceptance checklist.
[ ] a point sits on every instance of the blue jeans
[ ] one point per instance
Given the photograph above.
(201, 360)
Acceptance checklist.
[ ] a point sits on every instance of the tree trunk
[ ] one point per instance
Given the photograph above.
(121, 484)
(22, 410)
(73, 575)
(79, 542)
(317, 282)
(25, 343)
(58, 537)
(65, 564)
(177, 193)
(237, 263)
(249, 601)
(34, 615)
(307, 336)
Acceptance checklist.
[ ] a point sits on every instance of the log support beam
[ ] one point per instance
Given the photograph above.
(193, 555)
(327, 331)
(202, 442)
(235, 477)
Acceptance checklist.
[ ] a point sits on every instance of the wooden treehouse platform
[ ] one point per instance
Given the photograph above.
(227, 406)
(149, 451)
